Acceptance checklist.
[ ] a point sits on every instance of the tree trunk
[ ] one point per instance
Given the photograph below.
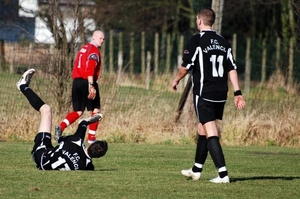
(217, 6)
(292, 44)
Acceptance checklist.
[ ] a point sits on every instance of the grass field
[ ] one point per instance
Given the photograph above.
(147, 149)
(153, 171)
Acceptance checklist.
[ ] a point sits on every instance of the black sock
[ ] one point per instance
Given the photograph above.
(81, 129)
(35, 101)
(201, 153)
(217, 155)
(223, 174)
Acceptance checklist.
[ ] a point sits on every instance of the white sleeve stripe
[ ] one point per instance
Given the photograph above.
(201, 69)
(230, 57)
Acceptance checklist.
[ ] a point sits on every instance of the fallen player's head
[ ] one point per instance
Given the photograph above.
(97, 149)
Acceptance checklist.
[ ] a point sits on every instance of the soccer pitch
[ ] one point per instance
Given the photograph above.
(153, 171)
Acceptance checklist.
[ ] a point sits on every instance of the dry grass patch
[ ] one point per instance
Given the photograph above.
(133, 114)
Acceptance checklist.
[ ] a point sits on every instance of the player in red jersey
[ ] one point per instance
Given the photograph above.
(85, 90)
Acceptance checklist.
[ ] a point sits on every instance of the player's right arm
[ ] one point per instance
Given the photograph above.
(181, 73)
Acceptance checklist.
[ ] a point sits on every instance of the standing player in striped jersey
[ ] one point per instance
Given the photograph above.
(208, 56)
(85, 90)
(70, 153)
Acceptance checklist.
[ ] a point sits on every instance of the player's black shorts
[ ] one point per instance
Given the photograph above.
(80, 93)
(42, 144)
(207, 111)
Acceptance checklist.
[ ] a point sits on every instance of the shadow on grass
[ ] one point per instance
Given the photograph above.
(265, 178)
(105, 169)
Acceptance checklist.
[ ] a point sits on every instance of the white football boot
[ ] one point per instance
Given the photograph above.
(189, 173)
(25, 79)
(220, 180)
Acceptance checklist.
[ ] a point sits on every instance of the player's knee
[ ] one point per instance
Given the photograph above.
(79, 113)
(96, 111)
(46, 109)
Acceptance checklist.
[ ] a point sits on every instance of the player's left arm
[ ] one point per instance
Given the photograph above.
(239, 101)
(92, 62)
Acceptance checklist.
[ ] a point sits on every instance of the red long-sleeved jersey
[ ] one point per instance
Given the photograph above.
(87, 63)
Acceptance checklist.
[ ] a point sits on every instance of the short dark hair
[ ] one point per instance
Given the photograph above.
(97, 149)
(208, 15)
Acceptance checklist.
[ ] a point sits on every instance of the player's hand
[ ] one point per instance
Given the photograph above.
(239, 102)
(92, 92)
(174, 85)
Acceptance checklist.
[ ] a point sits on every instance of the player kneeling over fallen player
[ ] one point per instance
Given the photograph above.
(70, 153)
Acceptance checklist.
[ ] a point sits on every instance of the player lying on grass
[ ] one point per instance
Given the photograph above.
(70, 153)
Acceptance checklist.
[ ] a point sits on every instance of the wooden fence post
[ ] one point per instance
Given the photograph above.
(143, 61)
(162, 49)
(2, 55)
(111, 52)
(120, 58)
(179, 60)
(234, 45)
(290, 79)
(156, 53)
(131, 54)
(264, 61)
(11, 65)
(248, 68)
(277, 62)
(120, 67)
(148, 70)
(103, 58)
(168, 54)
(30, 53)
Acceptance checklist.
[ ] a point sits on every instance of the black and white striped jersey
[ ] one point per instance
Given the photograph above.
(69, 154)
(208, 56)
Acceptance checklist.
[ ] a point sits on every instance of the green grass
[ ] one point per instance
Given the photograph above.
(153, 171)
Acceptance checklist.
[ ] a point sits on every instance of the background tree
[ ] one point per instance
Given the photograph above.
(266, 20)
(269, 20)
(58, 15)
(149, 16)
